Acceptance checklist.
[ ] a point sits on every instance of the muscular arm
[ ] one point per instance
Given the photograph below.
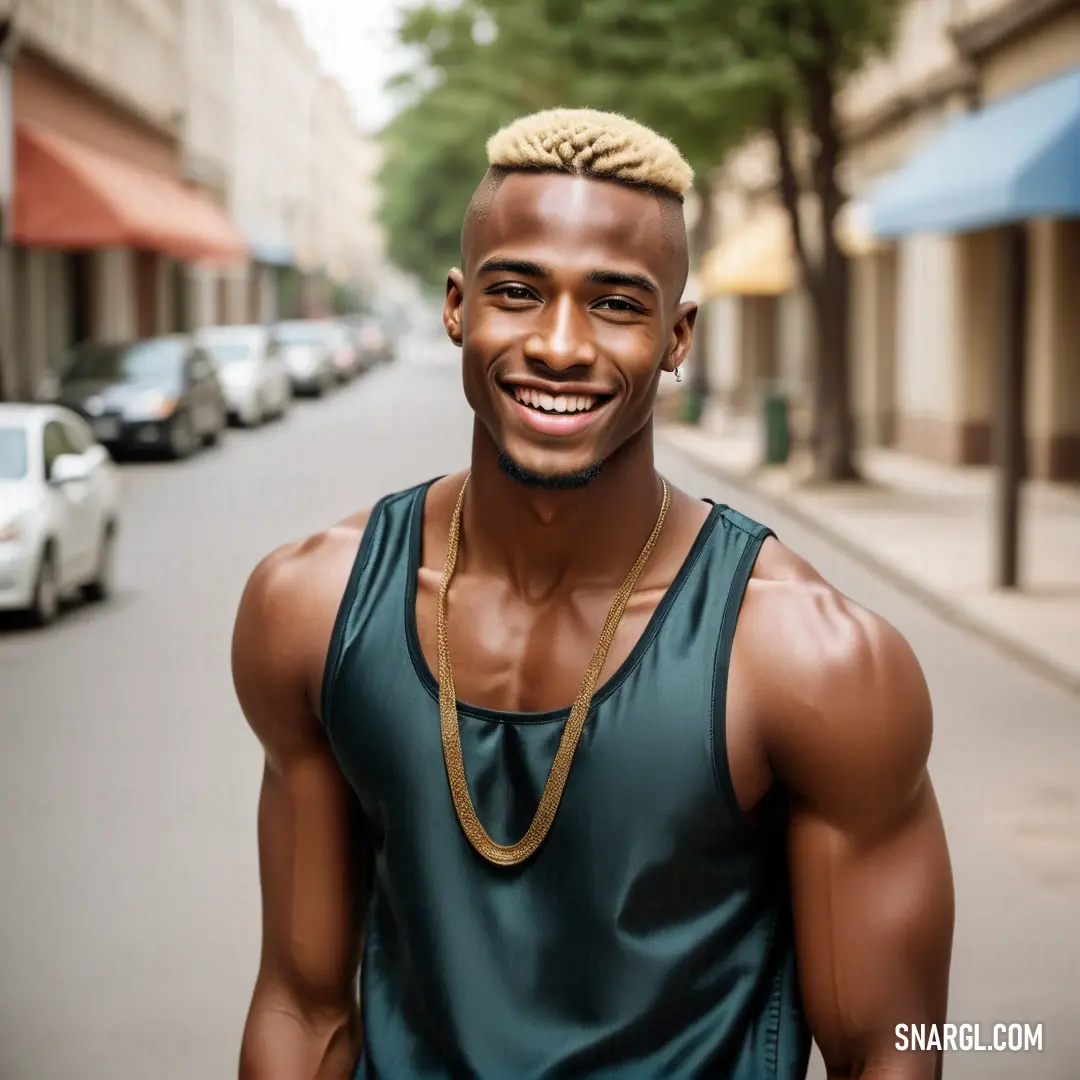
(303, 1023)
(871, 880)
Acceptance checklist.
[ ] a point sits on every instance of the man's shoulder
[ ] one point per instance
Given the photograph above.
(306, 572)
(840, 687)
(287, 613)
(803, 613)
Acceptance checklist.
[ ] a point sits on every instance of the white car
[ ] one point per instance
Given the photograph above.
(59, 510)
(252, 370)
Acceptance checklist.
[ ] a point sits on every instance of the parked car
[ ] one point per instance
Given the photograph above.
(374, 340)
(309, 355)
(59, 510)
(160, 395)
(252, 372)
(345, 349)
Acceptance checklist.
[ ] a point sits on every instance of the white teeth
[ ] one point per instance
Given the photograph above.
(560, 403)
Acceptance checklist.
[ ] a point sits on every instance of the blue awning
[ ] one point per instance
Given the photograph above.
(1016, 159)
(271, 254)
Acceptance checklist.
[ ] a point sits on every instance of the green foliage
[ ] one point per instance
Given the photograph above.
(704, 72)
(464, 88)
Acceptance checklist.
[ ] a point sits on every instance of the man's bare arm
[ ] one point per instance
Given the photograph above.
(303, 1023)
(871, 879)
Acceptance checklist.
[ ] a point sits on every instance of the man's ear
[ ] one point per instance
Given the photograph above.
(681, 337)
(455, 298)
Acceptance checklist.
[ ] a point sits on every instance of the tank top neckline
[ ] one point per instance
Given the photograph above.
(604, 691)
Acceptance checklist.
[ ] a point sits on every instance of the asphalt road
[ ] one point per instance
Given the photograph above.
(128, 897)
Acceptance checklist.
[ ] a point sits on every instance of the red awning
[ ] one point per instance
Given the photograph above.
(70, 196)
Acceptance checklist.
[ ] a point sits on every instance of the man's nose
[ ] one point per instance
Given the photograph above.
(564, 337)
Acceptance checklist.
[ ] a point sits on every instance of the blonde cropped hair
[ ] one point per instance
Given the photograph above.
(585, 142)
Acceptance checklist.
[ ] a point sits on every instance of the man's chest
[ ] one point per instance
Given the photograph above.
(514, 655)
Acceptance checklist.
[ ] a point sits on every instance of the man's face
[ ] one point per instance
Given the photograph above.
(567, 312)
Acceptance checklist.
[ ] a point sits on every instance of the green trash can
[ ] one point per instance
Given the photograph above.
(777, 431)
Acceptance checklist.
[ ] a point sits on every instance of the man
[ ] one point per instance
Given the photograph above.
(727, 842)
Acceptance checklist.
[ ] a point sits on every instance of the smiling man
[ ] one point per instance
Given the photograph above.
(596, 778)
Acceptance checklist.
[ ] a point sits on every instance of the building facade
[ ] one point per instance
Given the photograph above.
(347, 244)
(926, 299)
(177, 163)
(216, 292)
(103, 225)
(274, 77)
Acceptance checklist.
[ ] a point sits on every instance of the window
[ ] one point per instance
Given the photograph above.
(13, 461)
(55, 444)
(77, 435)
(147, 363)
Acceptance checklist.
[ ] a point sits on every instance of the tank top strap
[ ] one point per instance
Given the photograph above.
(735, 555)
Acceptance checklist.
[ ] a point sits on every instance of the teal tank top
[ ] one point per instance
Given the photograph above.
(650, 936)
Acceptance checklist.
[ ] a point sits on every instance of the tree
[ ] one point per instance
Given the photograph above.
(471, 77)
(799, 53)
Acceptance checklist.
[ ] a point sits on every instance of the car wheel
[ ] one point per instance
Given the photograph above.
(46, 603)
(213, 436)
(182, 437)
(101, 586)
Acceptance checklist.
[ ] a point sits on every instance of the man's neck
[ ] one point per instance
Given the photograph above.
(544, 540)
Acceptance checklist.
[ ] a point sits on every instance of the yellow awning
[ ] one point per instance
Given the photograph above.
(754, 259)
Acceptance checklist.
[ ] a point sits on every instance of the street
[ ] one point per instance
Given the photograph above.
(129, 920)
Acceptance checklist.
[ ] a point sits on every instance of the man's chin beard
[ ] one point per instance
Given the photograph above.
(556, 482)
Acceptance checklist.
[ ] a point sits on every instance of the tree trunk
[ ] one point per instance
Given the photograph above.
(826, 276)
(701, 241)
(833, 446)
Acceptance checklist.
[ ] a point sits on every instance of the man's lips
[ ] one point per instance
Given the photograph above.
(578, 410)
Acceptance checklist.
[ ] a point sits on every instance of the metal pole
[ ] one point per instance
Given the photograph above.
(1009, 434)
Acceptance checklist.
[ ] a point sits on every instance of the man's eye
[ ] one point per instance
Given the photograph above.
(515, 292)
(618, 303)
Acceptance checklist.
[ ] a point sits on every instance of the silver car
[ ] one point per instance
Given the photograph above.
(252, 371)
(308, 349)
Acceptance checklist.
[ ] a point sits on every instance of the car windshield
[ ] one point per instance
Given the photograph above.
(303, 334)
(12, 453)
(229, 352)
(146, 363)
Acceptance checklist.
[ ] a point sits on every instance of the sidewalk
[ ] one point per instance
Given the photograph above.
(930, 530)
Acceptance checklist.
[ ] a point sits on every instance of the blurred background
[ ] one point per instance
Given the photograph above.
(225, 227)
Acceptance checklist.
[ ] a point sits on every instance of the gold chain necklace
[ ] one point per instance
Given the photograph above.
(511, 855)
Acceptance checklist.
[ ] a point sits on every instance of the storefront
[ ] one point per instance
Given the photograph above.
(996, 196)
(105, 232)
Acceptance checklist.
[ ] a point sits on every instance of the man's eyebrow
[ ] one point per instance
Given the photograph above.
(513, 266)
(626, 281)
(616, 278)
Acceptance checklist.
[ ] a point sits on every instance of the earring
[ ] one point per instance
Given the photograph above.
(678, 375)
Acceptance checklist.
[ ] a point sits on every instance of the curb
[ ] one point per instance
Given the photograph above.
(945, 609)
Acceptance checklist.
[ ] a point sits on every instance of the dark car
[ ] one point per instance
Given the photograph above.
(159, 395)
